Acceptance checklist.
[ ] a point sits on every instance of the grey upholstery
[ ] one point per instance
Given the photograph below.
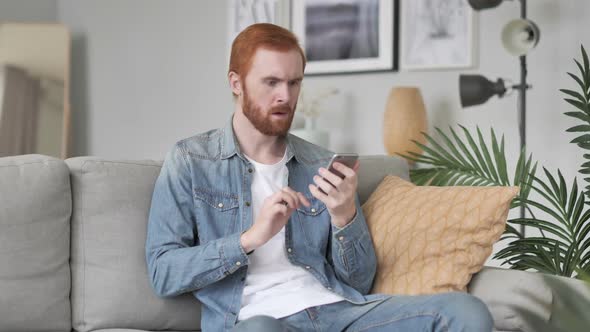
(111, 202)
(101, 207)
(35, 207)
(507, 291)
(374, 168)
(110, 286)
(130, 330)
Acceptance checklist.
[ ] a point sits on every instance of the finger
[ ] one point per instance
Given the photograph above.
(334, 179)
(322, 183)
(317, 193)
(299, 196)
(303, 199)
(281, 209)
(356, 166)
(294, 195)
(277, 197)
(280, 197)
(345, 170)
(291, 200)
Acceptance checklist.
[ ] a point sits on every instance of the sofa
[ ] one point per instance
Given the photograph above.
(72, 236)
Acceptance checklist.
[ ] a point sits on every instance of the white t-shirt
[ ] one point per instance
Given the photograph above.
(274, 286)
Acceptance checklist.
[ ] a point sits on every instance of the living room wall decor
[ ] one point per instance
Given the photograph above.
(437, 34)
(243, 13)
(346, 37)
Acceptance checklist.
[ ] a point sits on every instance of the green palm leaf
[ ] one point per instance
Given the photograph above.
(566, 249)
(564, 245)
(468, 161)
(581, 101)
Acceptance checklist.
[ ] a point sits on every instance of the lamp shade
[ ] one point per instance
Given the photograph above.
(520, 36)
(484, 4)
(476, 89)
(404, 120)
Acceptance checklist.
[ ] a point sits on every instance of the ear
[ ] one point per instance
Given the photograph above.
(234, 83)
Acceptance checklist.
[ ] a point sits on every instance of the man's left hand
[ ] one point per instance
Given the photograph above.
(339, 193)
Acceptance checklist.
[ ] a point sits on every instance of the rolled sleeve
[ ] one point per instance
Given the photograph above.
(352, 231)
(233, 254)
(353, 254)
(176, 260)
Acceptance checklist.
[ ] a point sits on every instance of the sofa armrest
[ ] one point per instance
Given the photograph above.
(509, 293)
(571, 300)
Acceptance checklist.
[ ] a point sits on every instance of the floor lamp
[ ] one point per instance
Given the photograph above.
(519, 36)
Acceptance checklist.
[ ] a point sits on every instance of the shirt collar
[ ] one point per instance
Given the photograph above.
(230, 147)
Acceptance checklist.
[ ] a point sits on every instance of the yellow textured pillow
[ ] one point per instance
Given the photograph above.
(432, 239)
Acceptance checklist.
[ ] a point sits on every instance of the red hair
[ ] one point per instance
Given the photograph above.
(260, 35)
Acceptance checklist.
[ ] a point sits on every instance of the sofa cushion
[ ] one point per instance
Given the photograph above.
(110, 285)
(372, 170)
(508, 292)
(130, 330)
(431, 239)
(35, 208)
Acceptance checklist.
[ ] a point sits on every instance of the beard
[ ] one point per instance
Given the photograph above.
(264, 121)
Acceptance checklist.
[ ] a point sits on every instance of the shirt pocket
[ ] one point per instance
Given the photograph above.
(217, 213)
(314, 223)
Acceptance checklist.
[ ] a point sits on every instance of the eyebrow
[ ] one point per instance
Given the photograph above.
(274, 78)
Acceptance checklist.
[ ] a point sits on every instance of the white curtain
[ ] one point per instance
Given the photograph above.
(19, 110)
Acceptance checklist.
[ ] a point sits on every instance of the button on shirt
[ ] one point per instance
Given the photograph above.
(274, 286)
(201, 206)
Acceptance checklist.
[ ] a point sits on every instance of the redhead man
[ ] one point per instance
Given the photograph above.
(238, 219)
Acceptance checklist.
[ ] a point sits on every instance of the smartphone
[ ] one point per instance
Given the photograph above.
(348, 159)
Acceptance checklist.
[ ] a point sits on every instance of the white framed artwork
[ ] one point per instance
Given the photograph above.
(346, 36)
(243, 13)
(437, 34)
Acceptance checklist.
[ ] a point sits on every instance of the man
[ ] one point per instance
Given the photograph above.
(238, 219)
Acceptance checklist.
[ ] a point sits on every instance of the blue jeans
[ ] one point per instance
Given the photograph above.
(441, 312)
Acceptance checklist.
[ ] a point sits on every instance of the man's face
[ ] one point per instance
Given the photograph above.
(271, 89)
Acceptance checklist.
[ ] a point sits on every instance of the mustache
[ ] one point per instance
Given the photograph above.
(282, 109)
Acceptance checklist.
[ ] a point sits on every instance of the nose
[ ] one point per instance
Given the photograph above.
(283, 94)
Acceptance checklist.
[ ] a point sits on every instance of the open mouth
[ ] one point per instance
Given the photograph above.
(280, 114)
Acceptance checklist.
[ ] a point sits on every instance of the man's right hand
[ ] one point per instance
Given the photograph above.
(273, 216)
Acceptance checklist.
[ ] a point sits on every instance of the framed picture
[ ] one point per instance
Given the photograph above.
(346, 36)
(243, 13)
(437, 34)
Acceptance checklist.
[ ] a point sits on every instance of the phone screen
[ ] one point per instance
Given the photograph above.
(348, 159)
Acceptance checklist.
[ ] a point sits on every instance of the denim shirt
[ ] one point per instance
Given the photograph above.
(202, 204)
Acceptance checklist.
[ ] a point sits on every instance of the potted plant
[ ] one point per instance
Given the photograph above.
(563, 248)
